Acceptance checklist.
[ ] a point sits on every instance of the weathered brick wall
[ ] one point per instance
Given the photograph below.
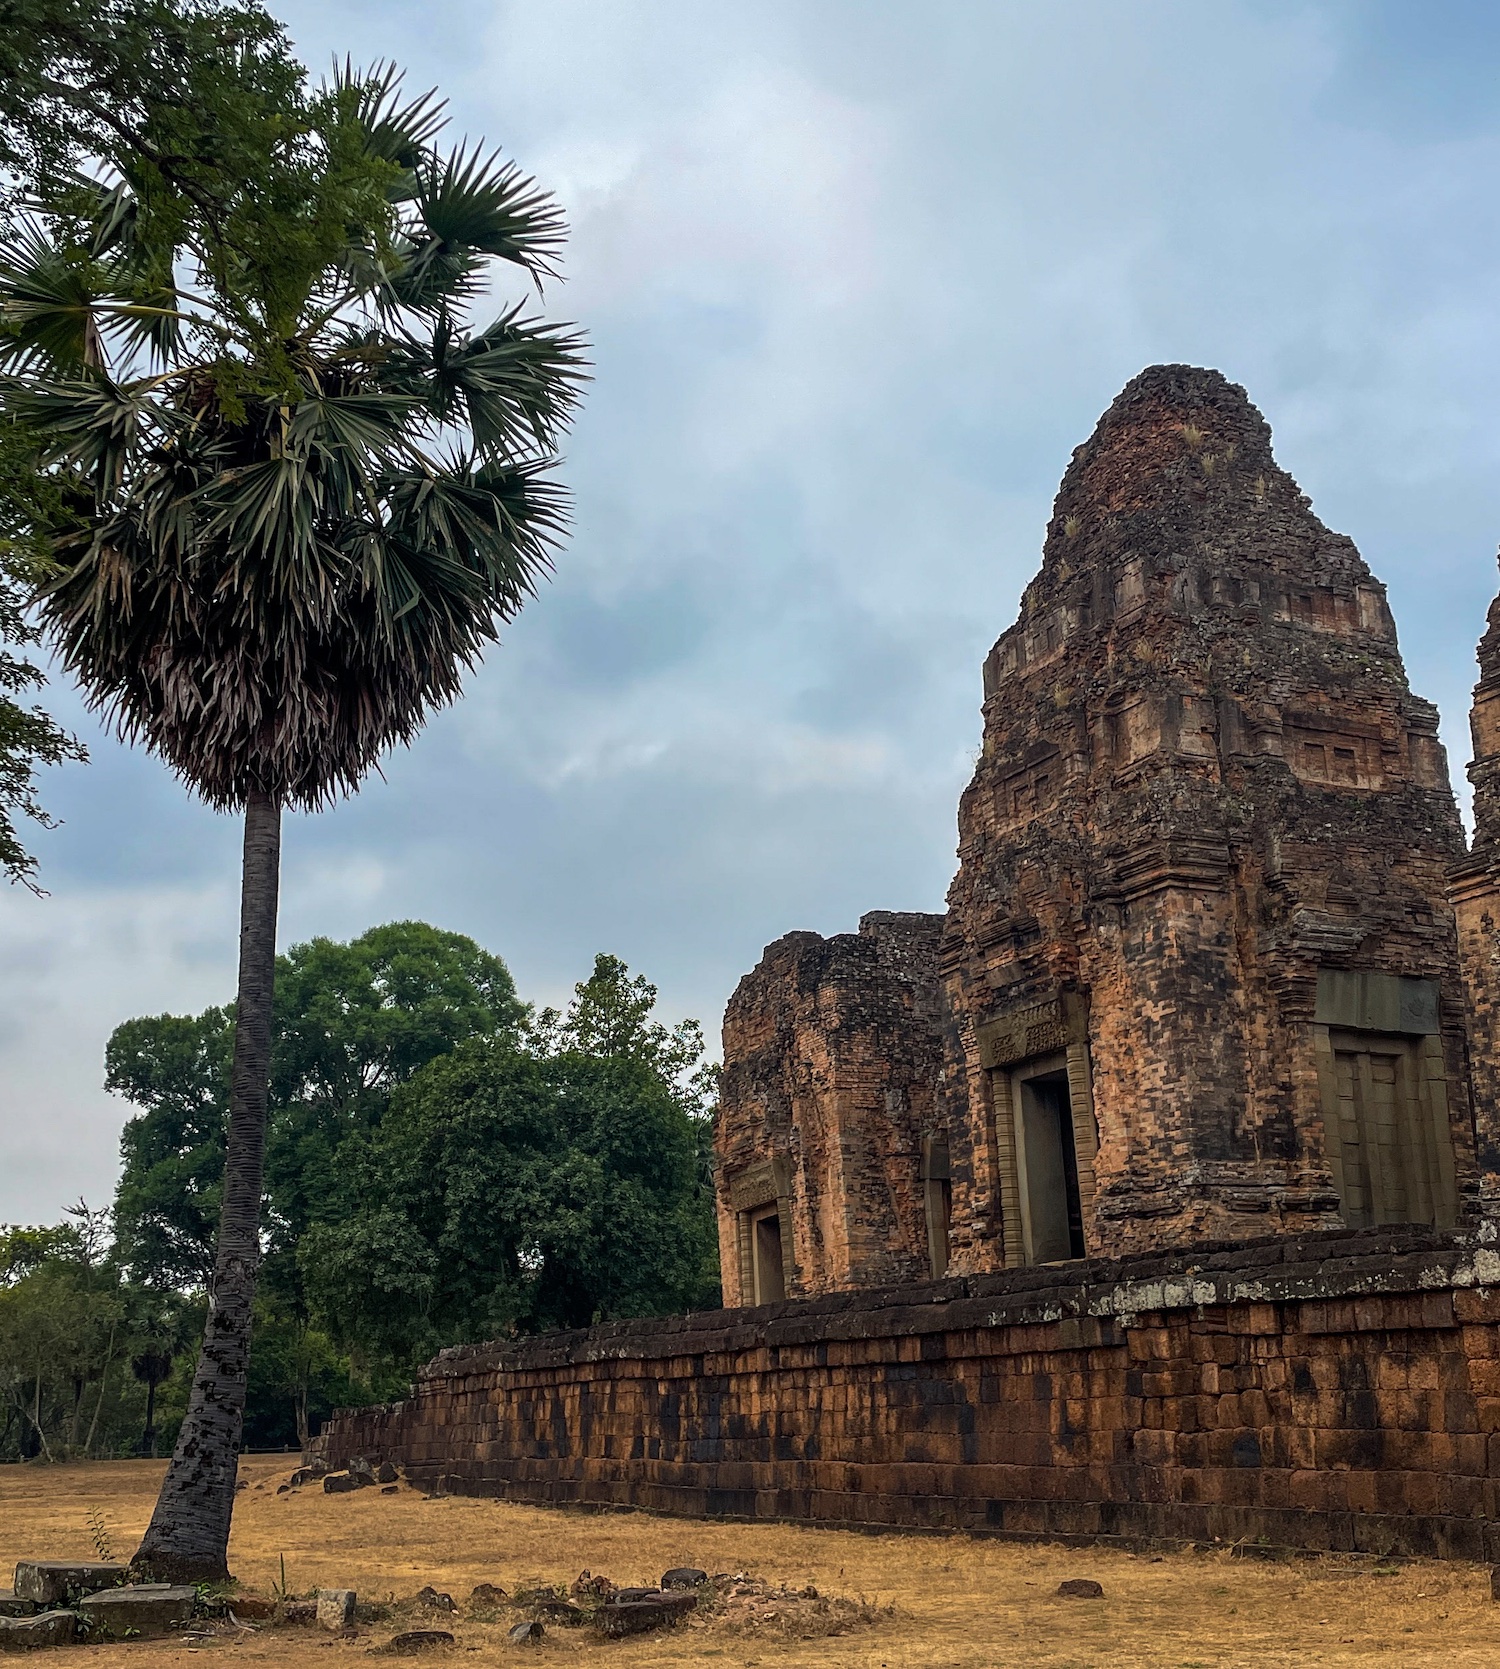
(1474, 888)
(831, 1065)
(1207, 802)
(1332, 1391)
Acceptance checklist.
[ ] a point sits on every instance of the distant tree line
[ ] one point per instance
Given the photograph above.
(444, 1163)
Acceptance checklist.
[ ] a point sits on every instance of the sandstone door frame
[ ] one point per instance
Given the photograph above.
(1361, 1014)
(1011, 1042)
(1422, 1163)
(761, 1192)
(1006, 1111)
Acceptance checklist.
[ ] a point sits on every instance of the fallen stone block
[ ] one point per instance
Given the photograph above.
(336, 1609)
(487, 1593)
(60, 1582)
(526, 1634)
(640, 1616)
(144, 1612)
(683, 1576)
(343, 1483)
(10, 1606)
(30, 1634)
(1080, 1587)
(431, 1600)
(424, 1640)
(387, 1474)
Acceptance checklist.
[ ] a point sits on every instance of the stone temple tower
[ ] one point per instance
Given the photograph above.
(1201, 968)
(1198, 977)
(1475, 891)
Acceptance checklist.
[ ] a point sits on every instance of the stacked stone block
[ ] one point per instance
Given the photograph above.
(1338, 1392)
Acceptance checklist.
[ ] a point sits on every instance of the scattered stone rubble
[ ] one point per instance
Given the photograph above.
(55, 1602)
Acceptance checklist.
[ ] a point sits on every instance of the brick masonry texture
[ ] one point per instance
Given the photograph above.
(833, 1057)
(1475, 891)
(1330, 1392)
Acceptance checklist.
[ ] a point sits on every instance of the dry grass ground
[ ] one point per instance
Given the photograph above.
(959, 1603)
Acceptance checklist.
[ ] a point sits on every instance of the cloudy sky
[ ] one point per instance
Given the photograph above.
(859, 274)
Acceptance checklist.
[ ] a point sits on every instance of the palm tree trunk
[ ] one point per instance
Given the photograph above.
(188, 1537)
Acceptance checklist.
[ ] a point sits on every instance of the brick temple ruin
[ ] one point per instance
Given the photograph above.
(1200, 976)
(1151, 1193)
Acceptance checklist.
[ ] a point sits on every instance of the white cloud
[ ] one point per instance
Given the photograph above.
(72, 966)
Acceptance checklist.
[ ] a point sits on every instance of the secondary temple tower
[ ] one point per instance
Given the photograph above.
(1198, 977)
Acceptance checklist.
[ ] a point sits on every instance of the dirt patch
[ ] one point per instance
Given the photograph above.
(882, 1602)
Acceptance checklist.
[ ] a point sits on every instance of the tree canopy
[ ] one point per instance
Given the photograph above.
(352, 1020)
(184, 101)
(443, 1164)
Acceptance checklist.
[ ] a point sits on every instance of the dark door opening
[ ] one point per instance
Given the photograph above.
(1049, 1179)
(765, 1240)
(937, 1192)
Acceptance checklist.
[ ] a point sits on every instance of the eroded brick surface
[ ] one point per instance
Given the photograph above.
(1204, 779)
(1336, 1391)
(1475, 891)
(832, 1062)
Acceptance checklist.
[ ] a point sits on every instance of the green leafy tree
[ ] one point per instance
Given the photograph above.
(166, 1213)
(351, 1022)
(297, 1377)
(161, 1329)
(63, 1329)
(183, 97)
(514, 1189)
(354, 1020)
(300, 532)
(29, 738)
(611, 1015)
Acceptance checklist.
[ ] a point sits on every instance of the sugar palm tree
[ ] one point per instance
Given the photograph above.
(305, 495)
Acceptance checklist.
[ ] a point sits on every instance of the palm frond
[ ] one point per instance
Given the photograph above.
(114, 215)
(151, 320)
(471, 200)
(90, 422)
(50, 298)
(516, 384)
(401, 134)
(429, 278)
(278, 580)
(370, 424)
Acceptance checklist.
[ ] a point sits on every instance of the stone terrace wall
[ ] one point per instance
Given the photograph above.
(1336, 1391)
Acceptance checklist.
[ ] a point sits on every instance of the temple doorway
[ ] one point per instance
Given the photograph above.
(1047, 1163)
